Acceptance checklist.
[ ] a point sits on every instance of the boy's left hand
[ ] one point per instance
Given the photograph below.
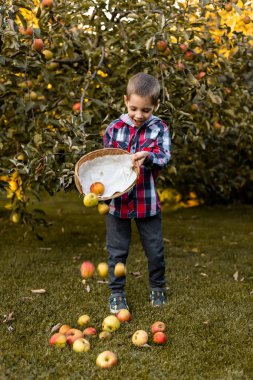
(138, 158)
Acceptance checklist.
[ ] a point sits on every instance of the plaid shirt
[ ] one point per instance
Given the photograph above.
(153, 136)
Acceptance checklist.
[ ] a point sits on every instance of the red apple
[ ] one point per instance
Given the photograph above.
(179, 66)
(76, 107)
(183, 47)
(246, 19)
(38, 44)
(200, 75)
(189, 56)
(106, 359)
(81, 345)
(58, 340)
(64, 328)
(47, 4)
(97, 188)
(159, 338)
(228, 7)
(90, 331)
(124, 315)
(26, 32)
(87, 269)
(72, 335)
(158, 326)
(161, 45)
(139, 338)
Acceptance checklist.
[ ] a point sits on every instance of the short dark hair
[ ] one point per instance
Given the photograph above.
(144, 85)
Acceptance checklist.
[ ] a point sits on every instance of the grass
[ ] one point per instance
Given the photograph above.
(209, 313)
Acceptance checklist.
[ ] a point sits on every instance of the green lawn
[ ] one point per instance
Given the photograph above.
(209, 315)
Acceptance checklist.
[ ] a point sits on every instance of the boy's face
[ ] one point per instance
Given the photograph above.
(139, 109)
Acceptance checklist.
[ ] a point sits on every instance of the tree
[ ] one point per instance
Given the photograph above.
(64, 69)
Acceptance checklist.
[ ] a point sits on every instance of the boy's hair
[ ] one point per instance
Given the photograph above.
(144, 85)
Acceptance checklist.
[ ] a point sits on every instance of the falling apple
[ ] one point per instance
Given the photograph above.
(103, 208)
(102, 269)
(90, 200)
(87, 269)
(120, 270)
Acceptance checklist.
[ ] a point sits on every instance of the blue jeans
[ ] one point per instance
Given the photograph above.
(118, 237)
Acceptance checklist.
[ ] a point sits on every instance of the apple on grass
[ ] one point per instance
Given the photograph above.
(90, 331)
(81, 345)
(106, 359)
(64, 328)
(111, 323)
(139, 338)
(87, 269)
(124, 315)
(158, 326)
(105, 335)
(83, 320)
(102, 269)
(97, 188)
(159, 338)
(120, 270)
(90, 200)
(58, 340)
(72, 335)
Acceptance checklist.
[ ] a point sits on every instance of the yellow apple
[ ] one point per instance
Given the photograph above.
(103, 208)
(90, 200)
(102, 269)
(58, 340)
(110, 323)
(120, 270)
(81, 345)
(83, 320)
(106, 359)
(139, 338)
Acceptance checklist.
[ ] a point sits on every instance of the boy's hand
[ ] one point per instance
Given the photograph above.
(138, 158)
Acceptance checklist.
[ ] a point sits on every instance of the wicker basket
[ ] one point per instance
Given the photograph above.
(101, 153)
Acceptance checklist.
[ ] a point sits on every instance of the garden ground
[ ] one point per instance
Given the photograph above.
(210, 292)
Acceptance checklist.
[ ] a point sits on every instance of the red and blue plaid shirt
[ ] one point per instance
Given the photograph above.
(153, 136)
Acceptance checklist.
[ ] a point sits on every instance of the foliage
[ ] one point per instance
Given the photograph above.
(56, 102)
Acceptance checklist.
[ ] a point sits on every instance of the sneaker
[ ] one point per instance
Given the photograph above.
(157, 298)
(117, 302)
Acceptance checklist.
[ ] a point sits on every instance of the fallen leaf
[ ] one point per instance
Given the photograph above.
(204, 274)
(88, 288)
(251, 293)
(166, 240)
(236, 275)
(136, 274)
(38, 291)
(56, 327)
(27, 298)
(146, 345)
(45, 249)
(83, 281)
(242, 279)
(206, 322)
(195, 250)
(8, 317)
(10, 328)
(102, 282)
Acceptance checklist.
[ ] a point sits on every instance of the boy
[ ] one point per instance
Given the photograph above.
(146, 137)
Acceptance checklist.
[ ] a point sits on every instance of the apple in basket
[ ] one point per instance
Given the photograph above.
(97, 188)
(90, 200)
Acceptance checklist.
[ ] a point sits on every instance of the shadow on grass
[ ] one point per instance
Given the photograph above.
(208, 316)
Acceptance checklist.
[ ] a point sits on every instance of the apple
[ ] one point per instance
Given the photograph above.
(200, 75)
(97, 188)
(124, 315)
(217, 125)
(102, 269)
(81, 345)
(179, 66)
(106, 359)
(87, 269)
(26, 32)
(194, 107)
(90, 331)
(139, 338)
(167, 52)
(183, 48)
(110, 323)
(58, 340)
(48, 54)
(33, 95)
(72, 335)
(161, 45)
(90, 200)
(228, 7)
(52, 66)
(47, 4)
(105, 335)
(189, 56)
(103, 208)
(120, 270)
(15, 217)
(158, 327)
(21, 157)
(64, 328)
(76, 107)
(38, 44)
(159, 338)
(83, 320)
(246, 19)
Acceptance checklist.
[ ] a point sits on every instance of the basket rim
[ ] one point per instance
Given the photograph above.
(99, 153)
